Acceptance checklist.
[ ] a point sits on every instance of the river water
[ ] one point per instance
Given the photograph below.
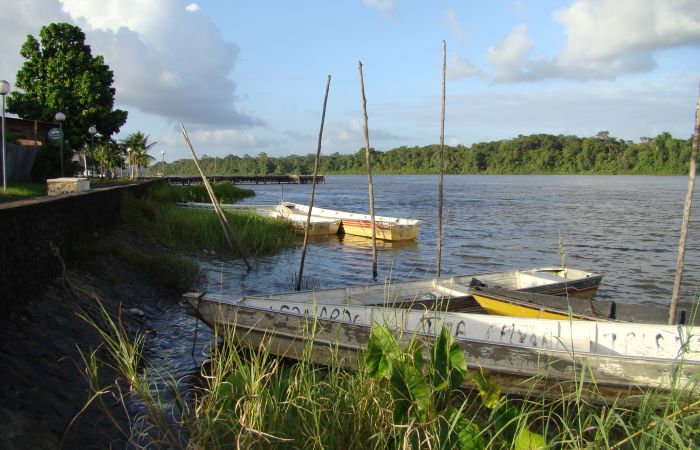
(625, 227)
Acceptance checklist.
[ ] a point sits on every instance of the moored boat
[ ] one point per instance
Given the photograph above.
(387, 228)
(524, 355)
(318, 226)
(454, 292)
(528, 304)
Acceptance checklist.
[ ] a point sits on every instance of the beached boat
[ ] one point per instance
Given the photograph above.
(454, 292)
(388, 228)
(317, 226)
(527, 304)
(523, 355)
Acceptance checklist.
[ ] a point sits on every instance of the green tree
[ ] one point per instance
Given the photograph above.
(139, 145)
(60, 74)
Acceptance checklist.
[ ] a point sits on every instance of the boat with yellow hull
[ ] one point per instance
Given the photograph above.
(507, 302)
(386, 228)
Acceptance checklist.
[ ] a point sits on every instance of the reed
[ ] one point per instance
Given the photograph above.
(197, 230)
(249, 398)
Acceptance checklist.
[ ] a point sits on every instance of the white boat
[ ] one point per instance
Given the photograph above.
(524, 356)
(455, 292)
(388, 228)
(317, 226)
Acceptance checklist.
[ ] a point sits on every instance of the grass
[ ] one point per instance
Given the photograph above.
(225, 192)
(19, 190)
(169, 270)
(196, 230)
(250, 399)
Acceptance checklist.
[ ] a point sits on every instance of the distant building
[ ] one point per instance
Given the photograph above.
(25, 138)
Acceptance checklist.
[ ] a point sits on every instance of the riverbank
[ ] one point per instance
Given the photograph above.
(43, 388)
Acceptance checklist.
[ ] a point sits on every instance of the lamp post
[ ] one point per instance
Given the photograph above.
(60, 118)
(92, 130)
(162, 172)
(4, 90)
(131, 170)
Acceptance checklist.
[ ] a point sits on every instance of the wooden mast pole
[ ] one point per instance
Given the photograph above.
(313, 186)
(686, 217)
(219, 212)
(442, 160)
(369, 174)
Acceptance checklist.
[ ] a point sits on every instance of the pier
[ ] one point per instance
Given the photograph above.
(250, 179)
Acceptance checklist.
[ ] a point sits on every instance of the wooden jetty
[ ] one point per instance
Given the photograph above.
(249, 179)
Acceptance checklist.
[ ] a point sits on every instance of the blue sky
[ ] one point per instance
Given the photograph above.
(249, 77)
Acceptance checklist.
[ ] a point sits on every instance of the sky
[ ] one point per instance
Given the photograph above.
(246, 77)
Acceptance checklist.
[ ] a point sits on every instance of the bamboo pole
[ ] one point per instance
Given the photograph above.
(442, 160)
(313, 186)
(219, 212)
(686, 217)
(369, 174)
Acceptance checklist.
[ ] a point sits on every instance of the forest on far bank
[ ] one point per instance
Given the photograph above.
(533, 154)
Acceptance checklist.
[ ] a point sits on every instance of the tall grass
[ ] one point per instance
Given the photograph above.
(195, 230)
(225, 193)
(251, 399)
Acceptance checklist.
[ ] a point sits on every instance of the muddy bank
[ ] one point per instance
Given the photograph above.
(42, 383)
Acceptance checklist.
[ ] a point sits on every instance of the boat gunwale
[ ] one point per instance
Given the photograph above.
(568, 353)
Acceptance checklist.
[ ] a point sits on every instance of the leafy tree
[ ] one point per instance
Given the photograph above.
(60, 74)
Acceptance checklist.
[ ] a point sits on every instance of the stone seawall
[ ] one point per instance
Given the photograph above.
(30, 229)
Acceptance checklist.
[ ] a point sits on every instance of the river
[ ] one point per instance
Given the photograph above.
(625, 227)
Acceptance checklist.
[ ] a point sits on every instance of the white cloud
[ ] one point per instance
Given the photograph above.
(386, 7)
(192, 7)
(604, 39)
(18, 19)
(510, 57)
(165, 60)
(454, 26)
(628, 110)
(459, 67)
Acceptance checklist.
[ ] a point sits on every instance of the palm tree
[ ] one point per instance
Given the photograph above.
(109, 154)
(139, 145)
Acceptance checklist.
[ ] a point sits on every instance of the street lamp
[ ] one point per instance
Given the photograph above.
(60, 118)
(131, 169)
(92, 130)
(162, 154)
(4, 90)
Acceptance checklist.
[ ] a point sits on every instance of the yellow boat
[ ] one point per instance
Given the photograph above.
(505, 302)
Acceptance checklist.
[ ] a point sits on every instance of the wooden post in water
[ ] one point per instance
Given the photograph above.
(686, 217)
(313, 186)
(219, 212)
(442, 159)
(369, 174)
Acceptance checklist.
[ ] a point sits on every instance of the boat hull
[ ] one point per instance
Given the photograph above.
(386, 228)
(525, 356)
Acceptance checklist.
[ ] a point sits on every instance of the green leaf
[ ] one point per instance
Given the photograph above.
(414, 349)
(382, 352)
(457, 431)
(527, 440)
(448, 366)
(489, 391)
(506, 420)
(410, 392)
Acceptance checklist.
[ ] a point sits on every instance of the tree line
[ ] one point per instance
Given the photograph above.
(533, 154)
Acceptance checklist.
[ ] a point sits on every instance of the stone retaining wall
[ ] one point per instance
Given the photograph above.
(29, 229)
